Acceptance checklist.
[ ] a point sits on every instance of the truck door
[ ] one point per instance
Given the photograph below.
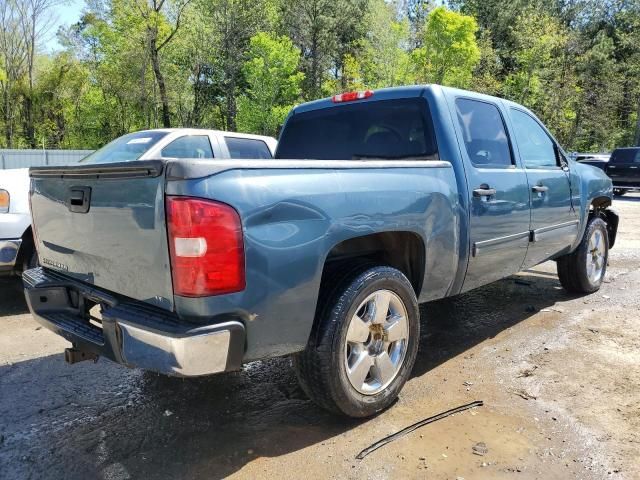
(497, 189)
(554, 221)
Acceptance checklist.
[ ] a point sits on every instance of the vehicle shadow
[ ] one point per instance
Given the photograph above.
(105, 421)
(11, 296)
(453, 325)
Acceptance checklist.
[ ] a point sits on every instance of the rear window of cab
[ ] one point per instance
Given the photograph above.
(386, 129)
(126, 148)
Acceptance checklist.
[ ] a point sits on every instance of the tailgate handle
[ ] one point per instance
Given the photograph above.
(79, 199)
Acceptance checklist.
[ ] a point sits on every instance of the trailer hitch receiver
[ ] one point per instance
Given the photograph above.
(73, 355)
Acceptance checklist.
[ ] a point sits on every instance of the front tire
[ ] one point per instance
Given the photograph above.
(364, 343)
(583, 271)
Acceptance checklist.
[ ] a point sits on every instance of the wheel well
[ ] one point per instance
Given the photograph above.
(25, 248)
(600, 203)
(600, 208)
(401, 250)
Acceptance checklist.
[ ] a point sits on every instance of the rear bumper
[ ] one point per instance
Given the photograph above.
(9, 253)
(131, 333)
(626, 186)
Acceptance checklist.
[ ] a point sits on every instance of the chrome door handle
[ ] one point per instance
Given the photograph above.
(484, 191)
(540, 188)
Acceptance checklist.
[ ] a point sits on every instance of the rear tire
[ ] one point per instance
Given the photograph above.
(364, 342)
(618, 192)
(583, 270)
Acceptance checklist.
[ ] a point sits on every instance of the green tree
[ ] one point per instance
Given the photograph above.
(539, 39)
(13, 61)
(234, 23)
(191, 58)
(161, 21)
(310, 23)
(450, 50)
(625, 31)
(134, 64)
(417, 12)
(273, 80)
(598, 87)
(487, 73)
(327, 32)
(386, 59)
(35, 21)
(114, 49)
(351, 28)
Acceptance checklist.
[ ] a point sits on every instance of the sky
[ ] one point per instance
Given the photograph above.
(64, 15)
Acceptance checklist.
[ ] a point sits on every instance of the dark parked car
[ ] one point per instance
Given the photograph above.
(624, 170)
(599, 160)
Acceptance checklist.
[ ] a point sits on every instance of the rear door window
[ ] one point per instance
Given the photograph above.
(485, 136)
(386, 129)
(537, 150)
(247, 148)
(190, 146)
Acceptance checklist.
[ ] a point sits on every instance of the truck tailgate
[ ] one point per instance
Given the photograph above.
(105, 225)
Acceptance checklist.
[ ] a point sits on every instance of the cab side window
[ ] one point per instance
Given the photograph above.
(190, 146)
(484, 133)
(536, 147)
(247, 148)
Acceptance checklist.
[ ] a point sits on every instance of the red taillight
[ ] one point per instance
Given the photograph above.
(351, 96)
(206, 247)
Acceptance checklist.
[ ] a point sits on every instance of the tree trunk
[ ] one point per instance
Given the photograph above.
(30, 132)
(8, 121)
(637, 136)
(232, 109)
(155, 61)
(314, 52)
(196, 111)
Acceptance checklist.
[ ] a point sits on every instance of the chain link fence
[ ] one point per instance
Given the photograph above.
(39, 158)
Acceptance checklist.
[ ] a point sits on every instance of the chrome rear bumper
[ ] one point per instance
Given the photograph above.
(131, 333)
(202, 351)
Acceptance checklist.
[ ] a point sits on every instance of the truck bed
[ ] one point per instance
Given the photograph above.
(294, 214)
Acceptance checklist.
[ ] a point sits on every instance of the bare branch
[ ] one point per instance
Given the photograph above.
(177, 25)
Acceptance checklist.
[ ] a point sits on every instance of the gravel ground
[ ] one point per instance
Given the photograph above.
(559, 376)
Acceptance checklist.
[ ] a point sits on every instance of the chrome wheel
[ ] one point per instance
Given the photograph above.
(596, 256)
(376, 342)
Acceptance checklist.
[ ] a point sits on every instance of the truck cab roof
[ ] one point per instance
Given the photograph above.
(183, 143)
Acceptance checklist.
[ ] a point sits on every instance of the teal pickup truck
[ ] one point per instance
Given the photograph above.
(375, 201)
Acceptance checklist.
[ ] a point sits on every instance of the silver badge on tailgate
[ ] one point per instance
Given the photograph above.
(58, 265)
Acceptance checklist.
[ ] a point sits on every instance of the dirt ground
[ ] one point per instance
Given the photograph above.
(559, 377)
